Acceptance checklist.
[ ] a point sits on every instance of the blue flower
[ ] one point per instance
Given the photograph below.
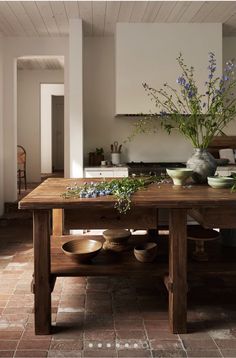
(181, 80)
(163, 113)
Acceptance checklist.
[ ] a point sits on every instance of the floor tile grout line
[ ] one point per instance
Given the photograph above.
(148, 340)
(181, 342)
(6, 306)
(19, 341)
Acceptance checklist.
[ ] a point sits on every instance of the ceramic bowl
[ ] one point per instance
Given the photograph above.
(220, 182)
(179, 175)
(82, 250)
(146, 252)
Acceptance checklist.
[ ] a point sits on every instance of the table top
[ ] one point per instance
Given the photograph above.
(48, 195)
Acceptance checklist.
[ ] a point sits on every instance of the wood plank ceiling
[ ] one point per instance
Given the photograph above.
(51, 18)
(40, 63)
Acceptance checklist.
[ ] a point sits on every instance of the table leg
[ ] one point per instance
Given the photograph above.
(42, 289)
(178, 270)
(57, 222)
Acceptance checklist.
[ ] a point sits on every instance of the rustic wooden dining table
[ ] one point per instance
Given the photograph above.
(54, 215)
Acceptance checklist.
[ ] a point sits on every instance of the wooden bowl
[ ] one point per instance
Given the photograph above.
(116, 239)
(82, 250)
(146, 252)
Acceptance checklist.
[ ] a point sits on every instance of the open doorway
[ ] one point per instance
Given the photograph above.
(58, 134)
(52, 129)
(33, 72)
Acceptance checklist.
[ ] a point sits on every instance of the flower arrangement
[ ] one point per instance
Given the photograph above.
(122, 189)
(198, 116)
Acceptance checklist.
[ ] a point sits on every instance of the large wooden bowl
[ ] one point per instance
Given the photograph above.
(81, 250)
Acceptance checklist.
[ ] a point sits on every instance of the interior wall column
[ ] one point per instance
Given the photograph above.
(75, 98)
(1, 131)
(10, 128)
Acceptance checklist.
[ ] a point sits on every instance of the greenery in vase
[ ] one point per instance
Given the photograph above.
(233, 189)
(197, 116)
(122, 189)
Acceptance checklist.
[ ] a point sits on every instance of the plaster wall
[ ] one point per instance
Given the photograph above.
(75, 130)
(1, 132)
(148, 52)
(12, 49)
(229, 53)
(101, 127)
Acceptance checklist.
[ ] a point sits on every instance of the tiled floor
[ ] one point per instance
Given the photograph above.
(106, 317)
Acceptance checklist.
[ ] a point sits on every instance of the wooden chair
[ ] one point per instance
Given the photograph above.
(21, 167)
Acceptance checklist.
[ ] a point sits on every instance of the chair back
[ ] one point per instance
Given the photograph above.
(21, 157)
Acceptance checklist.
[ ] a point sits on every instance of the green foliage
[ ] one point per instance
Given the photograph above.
(197, 116)
(99, 151)
(122, 189)
(233, 189)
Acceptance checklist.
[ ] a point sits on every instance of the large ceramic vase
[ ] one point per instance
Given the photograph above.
(203, 165)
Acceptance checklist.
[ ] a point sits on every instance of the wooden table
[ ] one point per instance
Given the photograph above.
(217, 206)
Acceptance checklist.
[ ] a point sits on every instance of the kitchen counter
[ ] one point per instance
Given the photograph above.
(107, 167)
(226, 170)
(112, 171)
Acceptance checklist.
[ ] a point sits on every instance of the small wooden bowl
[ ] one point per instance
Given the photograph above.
(146, 252)
(81, 250)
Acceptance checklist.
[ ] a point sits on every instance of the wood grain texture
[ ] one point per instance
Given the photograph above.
(42, 280)
(106, 263)
(57, 221)
(225, 141)
(48, 195)
(89, 212)
(223, 218)
(137, 218)
(113, 264)
(178, 271)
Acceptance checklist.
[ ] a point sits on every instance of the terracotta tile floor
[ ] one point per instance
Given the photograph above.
(108, 317)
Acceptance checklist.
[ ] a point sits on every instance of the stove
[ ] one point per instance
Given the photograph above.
(145, 168)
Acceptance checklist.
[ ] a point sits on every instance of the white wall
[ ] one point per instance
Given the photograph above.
(76, 134)
(1, 132)
(28, 115)
(14, 48)
(101, 128)
(47, 91)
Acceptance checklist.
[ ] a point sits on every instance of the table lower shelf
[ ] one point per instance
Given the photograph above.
(106, 263)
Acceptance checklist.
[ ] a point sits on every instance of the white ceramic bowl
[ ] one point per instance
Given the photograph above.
(219, 182)
(179, 175)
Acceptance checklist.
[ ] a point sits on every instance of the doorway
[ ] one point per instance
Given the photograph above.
(52, 134)
(38, 79)
(57, 134)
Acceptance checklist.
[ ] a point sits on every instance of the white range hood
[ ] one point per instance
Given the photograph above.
(147, 53)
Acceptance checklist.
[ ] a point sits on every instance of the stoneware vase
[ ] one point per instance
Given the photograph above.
(203, 165)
